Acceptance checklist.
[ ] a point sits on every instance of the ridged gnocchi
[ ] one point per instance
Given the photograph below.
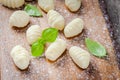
(13, 3)
(55, 50)
(56, 20)
(80, 56)
(19, 19)
(46, 5)
(74, 28)
(73, 5)
(33, 33)
(20, 57)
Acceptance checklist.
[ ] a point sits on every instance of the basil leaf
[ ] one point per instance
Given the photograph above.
(95, 48)
(37, 49)
(32, 10)
(41, 41)
(50, 34)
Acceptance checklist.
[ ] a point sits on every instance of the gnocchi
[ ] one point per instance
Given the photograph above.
(73, 5)
(20, 57)
(55, 49)
(13, 3)
(80, 56)
(56, 20)
(74, 28)
(19, 19)
(46, 5)
(33, 33)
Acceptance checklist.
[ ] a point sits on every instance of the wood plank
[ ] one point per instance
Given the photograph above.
(63, 68)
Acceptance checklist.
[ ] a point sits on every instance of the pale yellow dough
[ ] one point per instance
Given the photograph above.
(55, 50)
(46, 5)
(20, 57)
(56, 20)
(80, 56)
(73, 5)
(19, 19)
(33, 33)
(74, 28)
(13, 3)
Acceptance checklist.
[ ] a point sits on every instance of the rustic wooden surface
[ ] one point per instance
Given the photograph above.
(64, 68)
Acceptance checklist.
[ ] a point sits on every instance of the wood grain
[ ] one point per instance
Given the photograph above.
(64, 68)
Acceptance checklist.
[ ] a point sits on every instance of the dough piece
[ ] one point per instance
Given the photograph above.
(46, 5)
(80, 56)
(20, 57)
(74, 28)
(13, 3)
(55, 50)
(56, 20)
(18, 50)
(21, 61)
(33, 33)
(19, 19)
(73, 5)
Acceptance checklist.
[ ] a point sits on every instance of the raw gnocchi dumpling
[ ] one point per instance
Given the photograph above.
(74, 28)
(19, 19)
(56, 20)
(20, 57)
(46, 5)
(80, 56)
(13, 3)
(73, 5)
(33, 33)
(55, 50)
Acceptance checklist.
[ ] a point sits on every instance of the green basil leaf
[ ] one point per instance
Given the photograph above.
(37, 49)
(50, 34)
(95, 48)
(32, 10)
(41, 41)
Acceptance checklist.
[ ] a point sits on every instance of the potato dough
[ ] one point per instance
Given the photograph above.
(56, 20)
(74, 28)
(19, 19)
(33, 33)
(20, 57)
(18, 50)
(55, 50)
(80, 56)
(46, 5)
(21, 61)
(13, 3)
(73, 5)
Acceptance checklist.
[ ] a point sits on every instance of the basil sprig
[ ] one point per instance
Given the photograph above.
(48, 35)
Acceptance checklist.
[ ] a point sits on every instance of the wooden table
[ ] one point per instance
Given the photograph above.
(64, 68)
